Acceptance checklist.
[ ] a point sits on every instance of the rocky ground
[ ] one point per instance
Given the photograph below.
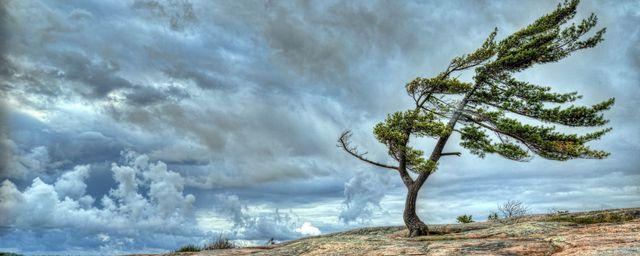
(610, 232)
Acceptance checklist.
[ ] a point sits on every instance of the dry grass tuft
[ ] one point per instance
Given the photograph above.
(220, 244)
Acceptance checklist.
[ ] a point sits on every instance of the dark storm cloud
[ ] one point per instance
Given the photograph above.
(65, 146)
(145, 95)
(4, 38)
(246, 99)
(91, 80)
(5, 70)
(179, 13)
(203, 79)
(100, 78)
(5, 149)
(86, 69)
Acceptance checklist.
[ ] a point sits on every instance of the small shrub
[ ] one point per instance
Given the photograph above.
(189, 248)
(493, 217)
(465, 218)
(219, 244)
(513, 209)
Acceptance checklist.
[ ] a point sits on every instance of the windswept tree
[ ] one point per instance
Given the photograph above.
(489, 112)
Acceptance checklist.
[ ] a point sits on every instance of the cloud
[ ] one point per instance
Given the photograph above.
(125, 215)
(308, 229)
(40, 147)
(71, 184)
(261, 226)
(23, 164)
(180, 13)
(363, 194)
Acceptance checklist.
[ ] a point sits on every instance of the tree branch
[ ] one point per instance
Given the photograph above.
(437, 150)
(451, 154)
(343, 143)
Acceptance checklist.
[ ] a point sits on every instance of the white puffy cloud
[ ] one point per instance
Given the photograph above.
(125, 215)
(308, 229)
(72, 183)
(10, 199)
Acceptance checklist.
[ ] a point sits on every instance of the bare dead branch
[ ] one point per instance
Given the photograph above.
(513, 209)
(343, 143)
(451, 154)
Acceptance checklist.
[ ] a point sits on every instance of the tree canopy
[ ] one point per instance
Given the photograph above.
(495, 113)
(495, 102)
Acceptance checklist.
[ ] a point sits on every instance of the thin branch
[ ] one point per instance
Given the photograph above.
(451, 154)
(437, 150)
(343, 143)
(435, 112)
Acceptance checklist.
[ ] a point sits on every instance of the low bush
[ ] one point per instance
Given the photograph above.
(189, 248)
(465, 218)
(220, 243)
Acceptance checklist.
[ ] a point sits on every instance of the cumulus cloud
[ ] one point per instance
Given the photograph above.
(262, 226)
(308, 229)
(72, 184)
(147, 210)
(26, 163)
(363, 194)
(36, 160)
(125, 215)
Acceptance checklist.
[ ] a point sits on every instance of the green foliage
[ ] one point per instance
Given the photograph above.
(486, 51)
(478, 143)
(438, 85)
(542, 140)
(189, 248)
(496, 95)
(399, 126)
(465, 218)
(531, 101)
(545, 41)
(489, 112)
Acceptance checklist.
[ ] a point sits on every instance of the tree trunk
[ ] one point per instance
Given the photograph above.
(411, 220)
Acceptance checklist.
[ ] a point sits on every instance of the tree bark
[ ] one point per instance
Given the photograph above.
(411, 220)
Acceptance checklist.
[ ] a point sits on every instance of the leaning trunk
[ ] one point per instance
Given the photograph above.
(411, 220)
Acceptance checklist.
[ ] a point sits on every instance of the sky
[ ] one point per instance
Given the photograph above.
(143, 125)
